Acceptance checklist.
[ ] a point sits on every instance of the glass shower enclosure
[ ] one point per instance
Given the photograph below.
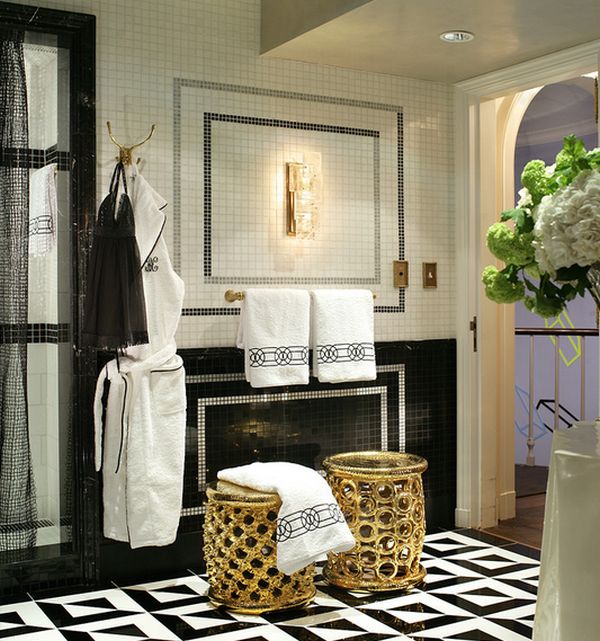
(48, 528)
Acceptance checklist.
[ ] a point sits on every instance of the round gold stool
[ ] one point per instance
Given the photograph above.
(241, 554)
(381, 496)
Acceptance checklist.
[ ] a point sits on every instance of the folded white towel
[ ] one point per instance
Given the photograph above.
(43, 209)
(273, 332)
(343, 335)
(310, 522)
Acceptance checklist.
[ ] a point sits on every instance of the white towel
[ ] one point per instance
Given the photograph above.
(43, 209)
(310, 522)
(273, 332)
(343, 335)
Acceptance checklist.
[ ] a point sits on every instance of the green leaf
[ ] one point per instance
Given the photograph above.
(511, 214)
(574, 272)
(568, 292)
(582, 287)
(583, 163)
(521, 218)
(594, 158)
(573, 146)
(530, 286)
(511, 272)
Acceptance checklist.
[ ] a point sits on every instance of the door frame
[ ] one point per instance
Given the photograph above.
(484, 477)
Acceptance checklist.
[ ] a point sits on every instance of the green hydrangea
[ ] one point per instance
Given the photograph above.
(499, 288)
(525, 270)
(508, 245)
(534, 178)
(544, 307)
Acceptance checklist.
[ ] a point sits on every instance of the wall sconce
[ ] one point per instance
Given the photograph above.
(303, 188)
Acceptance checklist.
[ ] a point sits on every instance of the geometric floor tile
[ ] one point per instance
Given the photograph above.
(474, 591)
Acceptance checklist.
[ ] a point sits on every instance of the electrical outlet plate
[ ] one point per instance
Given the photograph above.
(400, 274)
(429, 275)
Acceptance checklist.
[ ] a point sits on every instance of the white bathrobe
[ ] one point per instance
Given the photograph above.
(141, 449)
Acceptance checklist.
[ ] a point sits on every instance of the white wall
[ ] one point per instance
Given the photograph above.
(144, 45)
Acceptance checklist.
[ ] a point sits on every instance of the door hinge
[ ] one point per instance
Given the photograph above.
(473, 328)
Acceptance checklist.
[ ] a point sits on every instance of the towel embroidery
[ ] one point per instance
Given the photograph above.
(41, 225)
(278, 356)
(311, 518)
(345, 352)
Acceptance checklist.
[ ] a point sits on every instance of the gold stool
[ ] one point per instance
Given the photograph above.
(240, 553)
(381, 496)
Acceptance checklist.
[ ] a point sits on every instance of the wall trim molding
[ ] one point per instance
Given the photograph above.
(505, 505)
(553, 67)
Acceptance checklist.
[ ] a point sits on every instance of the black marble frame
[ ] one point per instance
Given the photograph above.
(48, 568)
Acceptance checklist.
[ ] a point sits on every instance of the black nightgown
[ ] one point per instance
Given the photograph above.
(114, 307)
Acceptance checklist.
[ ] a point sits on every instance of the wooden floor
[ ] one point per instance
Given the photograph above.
(526, 528)
(530, 479)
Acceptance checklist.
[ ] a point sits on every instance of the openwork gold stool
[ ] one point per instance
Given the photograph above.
(381, 496)
(241, 556)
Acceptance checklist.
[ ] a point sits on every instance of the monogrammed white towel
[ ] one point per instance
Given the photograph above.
(273, 332)
(43, 210)
(343, 335)
(310, 522)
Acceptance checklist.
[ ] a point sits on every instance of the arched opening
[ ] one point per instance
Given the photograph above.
(555, 377)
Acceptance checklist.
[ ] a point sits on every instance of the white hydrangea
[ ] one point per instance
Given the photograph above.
(525, 199)
(567, 225)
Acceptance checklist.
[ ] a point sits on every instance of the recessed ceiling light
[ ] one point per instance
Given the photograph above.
(457, 36)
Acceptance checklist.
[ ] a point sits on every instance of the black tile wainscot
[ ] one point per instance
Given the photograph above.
(411, 407)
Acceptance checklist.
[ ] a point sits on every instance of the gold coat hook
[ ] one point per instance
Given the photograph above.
(125, 152)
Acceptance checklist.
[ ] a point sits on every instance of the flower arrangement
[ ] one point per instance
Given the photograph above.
(551, 249)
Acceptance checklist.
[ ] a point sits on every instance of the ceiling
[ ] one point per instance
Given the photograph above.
(401, 37)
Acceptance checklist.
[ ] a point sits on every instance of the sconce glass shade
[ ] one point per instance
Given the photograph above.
(303, 187)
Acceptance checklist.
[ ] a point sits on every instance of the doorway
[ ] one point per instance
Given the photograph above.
(485, 373)
(555, 360)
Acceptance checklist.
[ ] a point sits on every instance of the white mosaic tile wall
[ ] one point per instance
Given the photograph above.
(143, 46)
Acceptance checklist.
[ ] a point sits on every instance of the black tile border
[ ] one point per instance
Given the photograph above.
(35, 158)
(209, 118)
(180, 83)
(35, 333)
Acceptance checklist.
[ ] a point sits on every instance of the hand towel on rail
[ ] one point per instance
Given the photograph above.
(343, 335)
(273, 332)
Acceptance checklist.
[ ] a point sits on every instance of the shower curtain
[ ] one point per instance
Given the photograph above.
(17, 490)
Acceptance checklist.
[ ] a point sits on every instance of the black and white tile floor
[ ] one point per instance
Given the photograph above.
(477, 589)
